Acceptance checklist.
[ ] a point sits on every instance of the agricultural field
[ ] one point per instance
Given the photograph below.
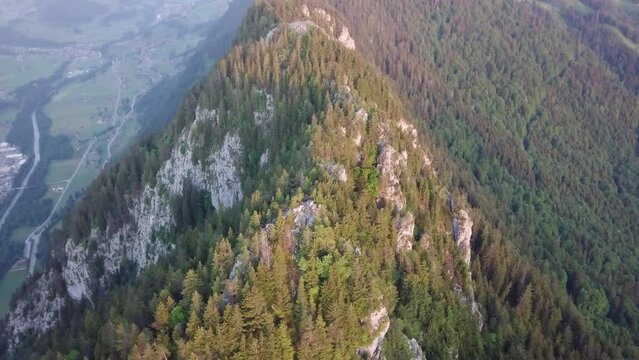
(83, 108)
(21, 233)
(18, 69)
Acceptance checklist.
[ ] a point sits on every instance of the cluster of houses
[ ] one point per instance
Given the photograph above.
(11, 160)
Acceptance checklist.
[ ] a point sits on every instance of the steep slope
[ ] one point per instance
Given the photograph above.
(291, 210)
(534, 110)
(296, 146)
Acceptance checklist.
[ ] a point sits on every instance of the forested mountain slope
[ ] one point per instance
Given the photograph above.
(534, 108)
(293, 210)
(294, 195)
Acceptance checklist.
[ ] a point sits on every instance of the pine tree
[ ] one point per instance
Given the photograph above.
(193, 324)
(229, 334)
(211, 314)
(282, 304)
(284, 345)
(191, 284)
(223, 259)
(162, 317)
(254, 313)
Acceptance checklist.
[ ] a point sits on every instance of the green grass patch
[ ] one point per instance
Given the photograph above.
(19, 70)
(81, 109)
(20, 234)
(61, 169)
(85, 175)
(127, 135)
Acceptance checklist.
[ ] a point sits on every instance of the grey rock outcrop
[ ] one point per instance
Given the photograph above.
(337, 171)
(379, 323)
(264, 117)
(139, 240)
(328, 27)
(405, 226)
(462, 233)
(416, 350)
(37, 315)
(264, 158)
(346, 39)
(390, 163)
(305, 215)
(469, 300)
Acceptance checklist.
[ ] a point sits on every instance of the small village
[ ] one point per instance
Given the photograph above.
(11, 160)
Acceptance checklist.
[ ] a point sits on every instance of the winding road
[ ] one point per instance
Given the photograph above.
(36, 160)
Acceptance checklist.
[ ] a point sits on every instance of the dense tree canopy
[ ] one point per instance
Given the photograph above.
(533, 132)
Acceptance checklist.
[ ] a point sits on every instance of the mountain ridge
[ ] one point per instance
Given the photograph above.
(178, 168)
(341, 240)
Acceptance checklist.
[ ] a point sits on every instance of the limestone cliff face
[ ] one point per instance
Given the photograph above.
(379, 323)
(390, 163)
(264, 117)
(405, 226)
(140, 241)
(36, 314)
(416, 351)
(318, 19)
(151, 211)
(462, 232)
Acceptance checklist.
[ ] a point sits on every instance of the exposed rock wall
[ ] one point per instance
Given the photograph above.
(379, 323)
(337, 171)
(76, 271)
(220, 177)
(405, 226)
(139, 241)
(203, 114)
(325, 23)
(36, 314)
(264, 158)
(346, 39)
(264, 117)
(416, 350)
(304, 215)
(389, 164)
(469, 300)
(410, 130)
(225, 185)
(462, 233)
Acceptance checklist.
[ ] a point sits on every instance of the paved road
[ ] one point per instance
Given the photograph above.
(31, 245)
(117, 130)
(36, 160)
(117, 100)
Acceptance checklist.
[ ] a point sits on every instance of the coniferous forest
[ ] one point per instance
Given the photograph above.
(444, 179)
